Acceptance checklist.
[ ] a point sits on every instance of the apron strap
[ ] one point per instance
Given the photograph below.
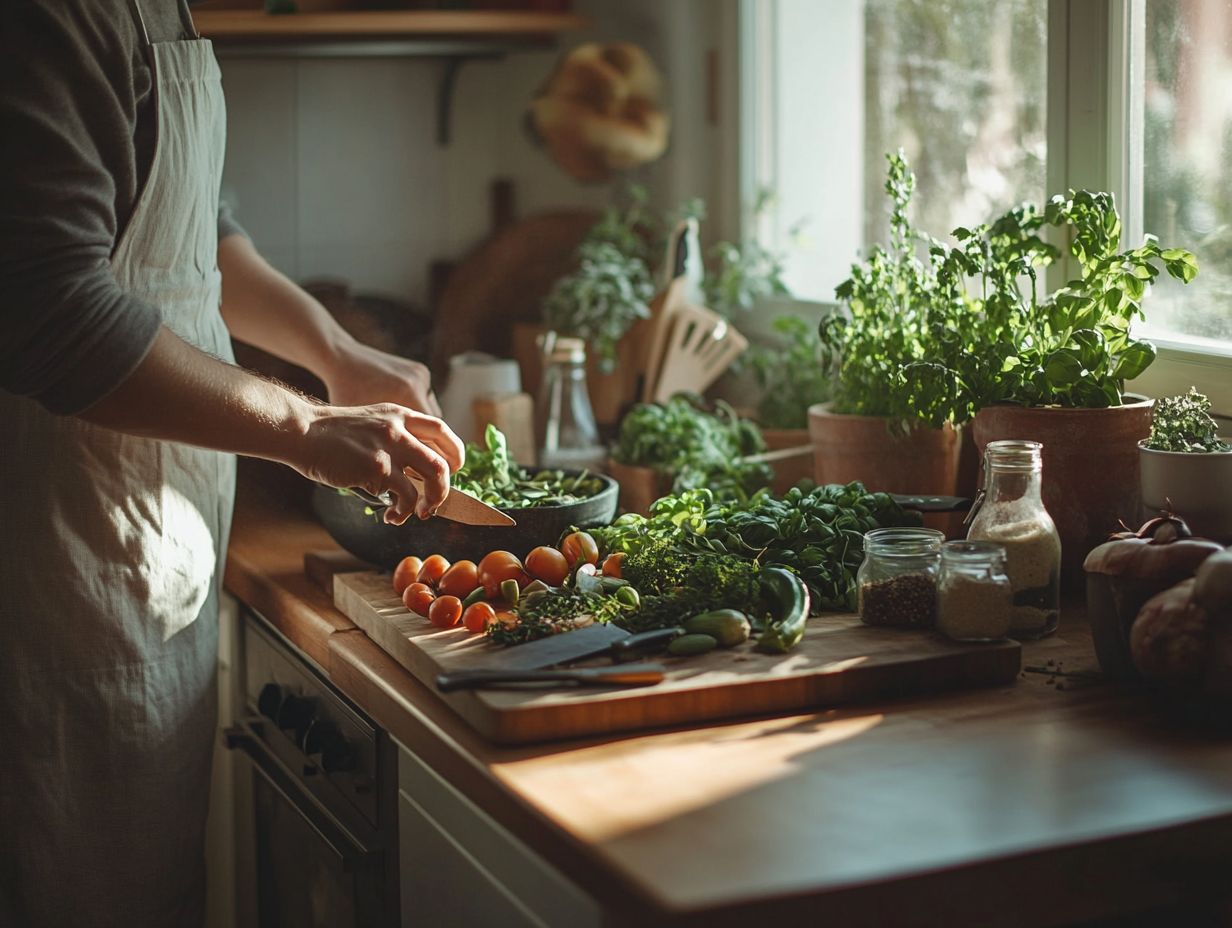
(186, 21)
(145, 35)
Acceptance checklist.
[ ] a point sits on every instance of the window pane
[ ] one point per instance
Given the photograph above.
(1187, 170)
(960, 85)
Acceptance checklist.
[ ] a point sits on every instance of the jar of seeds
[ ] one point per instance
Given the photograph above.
(897, 582)
(974, 594)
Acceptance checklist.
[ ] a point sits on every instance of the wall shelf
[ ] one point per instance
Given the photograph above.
(456, 36)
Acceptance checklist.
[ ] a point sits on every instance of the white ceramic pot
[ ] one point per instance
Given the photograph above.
(1198, 486)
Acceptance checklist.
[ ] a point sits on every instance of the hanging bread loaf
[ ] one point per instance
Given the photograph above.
(599, 111)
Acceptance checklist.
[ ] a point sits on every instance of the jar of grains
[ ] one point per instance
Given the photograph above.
(1012, 513)
(897, 582)
(974, 596)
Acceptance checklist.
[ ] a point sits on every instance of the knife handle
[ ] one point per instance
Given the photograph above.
(641, 643)
(630, 675)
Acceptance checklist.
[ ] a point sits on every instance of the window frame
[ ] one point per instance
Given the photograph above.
(1095, 105)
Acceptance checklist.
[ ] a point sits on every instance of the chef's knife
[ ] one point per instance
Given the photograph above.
(596, 639)
(619, 675)
(459, 506)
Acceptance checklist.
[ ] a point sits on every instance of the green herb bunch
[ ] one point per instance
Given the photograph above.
(901, 316)
(816, 532)
(1184, 423)
(1075, 346)
(698, 448)
(790, 375)
(492, 476)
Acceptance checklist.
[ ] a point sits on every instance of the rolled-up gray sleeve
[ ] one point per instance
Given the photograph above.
(68, 333)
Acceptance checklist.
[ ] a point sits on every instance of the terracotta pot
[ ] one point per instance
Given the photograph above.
(1090, 479)
(789, 471)
(1197, 487)
(610, 393)
(847, 448)
(639, 486)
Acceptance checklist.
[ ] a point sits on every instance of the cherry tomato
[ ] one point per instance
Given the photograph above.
(547, 564)
(446, 612)
(497, 567)
(420, 601)
(412, 590)
(432, 570)
(508, 619)
(612, 564)
(477, 617)
(579, 548)
(459, 579)
(406, 573)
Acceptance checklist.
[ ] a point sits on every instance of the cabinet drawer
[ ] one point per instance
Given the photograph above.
(493, 878)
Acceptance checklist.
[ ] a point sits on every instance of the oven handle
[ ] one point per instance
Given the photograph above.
(347, 847)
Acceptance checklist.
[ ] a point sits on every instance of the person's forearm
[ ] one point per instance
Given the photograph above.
(264, 308)
(180, 393)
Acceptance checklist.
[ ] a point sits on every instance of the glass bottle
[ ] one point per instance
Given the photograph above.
(1012, 513)
(974, 595)
(565, 431)
(897, 582)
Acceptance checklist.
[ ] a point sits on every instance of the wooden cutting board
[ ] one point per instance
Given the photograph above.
(840, 661)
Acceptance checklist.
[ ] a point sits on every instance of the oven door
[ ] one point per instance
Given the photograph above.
(310, 868)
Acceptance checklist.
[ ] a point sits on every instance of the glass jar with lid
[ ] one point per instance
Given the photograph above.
(1011, 511)
(897, 582)
(566, 434)
(974, 596)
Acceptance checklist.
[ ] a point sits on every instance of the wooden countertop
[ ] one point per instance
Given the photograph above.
(1054, 801)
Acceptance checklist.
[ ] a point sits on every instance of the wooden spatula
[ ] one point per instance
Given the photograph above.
(701, 345)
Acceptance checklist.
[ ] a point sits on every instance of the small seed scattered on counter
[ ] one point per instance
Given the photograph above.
(908, 600)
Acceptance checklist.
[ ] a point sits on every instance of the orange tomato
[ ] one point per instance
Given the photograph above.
(579, 548)
(420, 599)
(477, 617)
(432, 570)
(459, 579)
(406, 573)
(497, 567)
(508, 619)
(612, 564)
(446, 612)
(547, 564)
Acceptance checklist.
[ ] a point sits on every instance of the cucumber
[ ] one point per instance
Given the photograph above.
(690, 645)
(788, 600)
(727, 626)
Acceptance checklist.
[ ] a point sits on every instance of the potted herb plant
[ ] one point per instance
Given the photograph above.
(1186, 467)
(602, 301)
(892, 422)
(1053, 368)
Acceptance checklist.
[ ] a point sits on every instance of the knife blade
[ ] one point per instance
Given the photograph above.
(597, 639)
(620, 675)
(932, 503)
(459, 506)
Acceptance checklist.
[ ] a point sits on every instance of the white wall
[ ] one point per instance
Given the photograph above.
(334, 169)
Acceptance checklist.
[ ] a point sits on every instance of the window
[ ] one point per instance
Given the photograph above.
(1187, 159)
(996, 102)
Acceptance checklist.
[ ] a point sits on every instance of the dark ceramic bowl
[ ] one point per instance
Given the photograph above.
(367, 537)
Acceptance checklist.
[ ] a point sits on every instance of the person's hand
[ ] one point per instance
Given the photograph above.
(374, 447)
(364, 375)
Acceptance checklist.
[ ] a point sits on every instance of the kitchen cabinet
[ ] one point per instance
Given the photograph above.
(459, 867)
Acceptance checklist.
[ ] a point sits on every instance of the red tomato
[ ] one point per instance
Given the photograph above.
(432, 570)
(579, 548)
(420, 600)
(446, 612)
(497, 567)
(612, 564)
(405, 573)
(459, 579)
(477, 617)
(547, 564)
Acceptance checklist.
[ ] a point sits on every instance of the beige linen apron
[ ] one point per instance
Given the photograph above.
(109, 587)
